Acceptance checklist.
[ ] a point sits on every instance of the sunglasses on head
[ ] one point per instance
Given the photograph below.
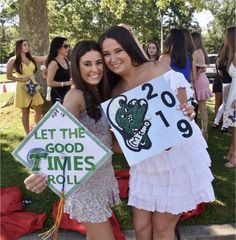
(66, 46)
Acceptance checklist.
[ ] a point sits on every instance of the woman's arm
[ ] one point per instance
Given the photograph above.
(165, 59)
(51, 72)
(188, 110)
(194, 67)
(10, 70)
(40, 59)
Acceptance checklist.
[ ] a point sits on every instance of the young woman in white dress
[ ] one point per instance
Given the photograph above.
(231, 101)
(175, 181)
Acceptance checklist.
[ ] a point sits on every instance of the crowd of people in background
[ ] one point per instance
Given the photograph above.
(82, 86)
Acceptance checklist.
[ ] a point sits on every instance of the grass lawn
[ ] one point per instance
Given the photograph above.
(3, 78)
(13, 173)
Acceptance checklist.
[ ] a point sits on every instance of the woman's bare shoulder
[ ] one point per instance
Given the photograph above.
(11, 60)
(74, 101)
(53, 64)
(160, 68)
(74, 93)
(165, 58)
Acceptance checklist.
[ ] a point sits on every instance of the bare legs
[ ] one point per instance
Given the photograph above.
(99, 231)
(142, 224)
(25, 117)
(154, 226)
(204, 117)
(231, 156)
(38, 113)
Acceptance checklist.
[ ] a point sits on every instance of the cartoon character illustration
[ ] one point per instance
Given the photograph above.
(129, 119)
(233, 116)
(34, 158)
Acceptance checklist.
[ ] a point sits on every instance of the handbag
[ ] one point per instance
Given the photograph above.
(31, 88)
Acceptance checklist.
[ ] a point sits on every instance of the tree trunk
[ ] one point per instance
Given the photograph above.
(33, 15)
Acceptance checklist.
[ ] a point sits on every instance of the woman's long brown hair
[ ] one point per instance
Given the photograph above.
(18, 60)
(230, 36)
(93, 97)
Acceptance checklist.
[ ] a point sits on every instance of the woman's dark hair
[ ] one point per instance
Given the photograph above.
(230, 36)
(128, 43)
(18, 60)
(198, 43)
(189, 45)
(158, 53)
(223, 55)
(222, 63)
(175, 46)
(55, 45)
(92, 97)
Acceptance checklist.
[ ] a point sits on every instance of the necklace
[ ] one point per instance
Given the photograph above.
(62, 62)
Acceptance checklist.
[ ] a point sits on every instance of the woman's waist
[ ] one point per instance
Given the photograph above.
(61, 79)
(26, 74)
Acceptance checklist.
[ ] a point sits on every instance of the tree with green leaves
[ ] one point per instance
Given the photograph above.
(86, 19)
(33, 23)
(224, 16)
(8, 28)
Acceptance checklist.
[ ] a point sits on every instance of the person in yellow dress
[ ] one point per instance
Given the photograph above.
(22, 68)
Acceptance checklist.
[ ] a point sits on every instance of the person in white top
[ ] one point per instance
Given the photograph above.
(231, 102)
(170, 183)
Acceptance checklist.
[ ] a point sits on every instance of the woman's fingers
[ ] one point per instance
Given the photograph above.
(36, 182)
(188, 110)
(40, 188)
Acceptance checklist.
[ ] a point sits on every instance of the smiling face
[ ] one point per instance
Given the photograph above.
(116, 58)
(91, 67)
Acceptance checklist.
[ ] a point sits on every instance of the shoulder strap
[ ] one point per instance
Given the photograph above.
(57, 62)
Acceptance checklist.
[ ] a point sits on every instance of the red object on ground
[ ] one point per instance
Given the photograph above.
(11, 200)
(4, 88)
(119, 235)
(122, 177)
(18, 224)
(14, 223)
(193, 213)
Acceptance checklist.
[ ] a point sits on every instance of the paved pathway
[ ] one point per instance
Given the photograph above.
(197, 232)
(10, 87)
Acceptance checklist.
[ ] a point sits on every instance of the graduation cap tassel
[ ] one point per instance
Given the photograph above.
(52, 232)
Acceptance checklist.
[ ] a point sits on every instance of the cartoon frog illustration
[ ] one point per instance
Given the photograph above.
(129, 119)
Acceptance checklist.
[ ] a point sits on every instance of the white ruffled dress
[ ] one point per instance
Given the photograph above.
(176, 180)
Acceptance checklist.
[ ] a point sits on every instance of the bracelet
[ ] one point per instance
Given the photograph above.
(62, 84)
